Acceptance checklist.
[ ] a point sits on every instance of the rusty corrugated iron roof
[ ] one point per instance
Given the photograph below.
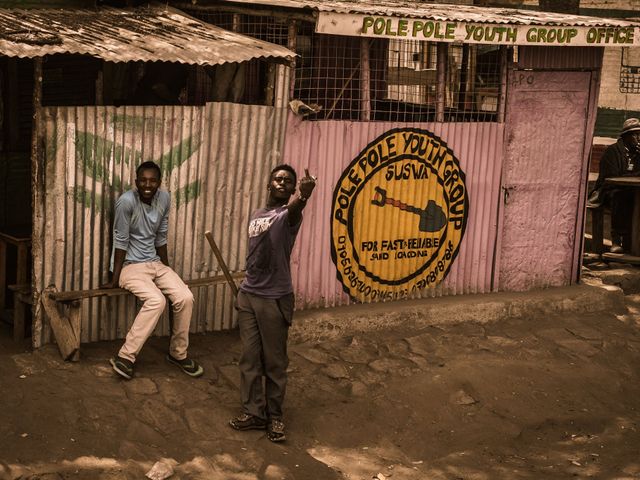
(443, 12)
(154, 33)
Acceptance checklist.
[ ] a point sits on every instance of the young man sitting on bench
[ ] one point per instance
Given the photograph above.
(139, 263)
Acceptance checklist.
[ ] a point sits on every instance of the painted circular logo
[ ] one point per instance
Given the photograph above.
(399, 214)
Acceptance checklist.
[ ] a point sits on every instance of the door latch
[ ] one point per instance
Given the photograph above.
(506, 191)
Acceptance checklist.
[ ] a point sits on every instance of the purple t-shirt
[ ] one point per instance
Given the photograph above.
(271, 240)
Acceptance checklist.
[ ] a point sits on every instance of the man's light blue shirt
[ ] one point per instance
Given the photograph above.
(139, 228)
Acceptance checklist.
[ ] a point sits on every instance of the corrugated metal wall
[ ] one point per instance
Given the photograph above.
(215, 161)
(327, 148)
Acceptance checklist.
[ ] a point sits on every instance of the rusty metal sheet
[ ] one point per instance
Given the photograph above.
(327, 148)
(444, 12)
(205, 153)
(158, 33)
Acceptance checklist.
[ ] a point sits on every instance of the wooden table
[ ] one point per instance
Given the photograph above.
(22, 241)
(631, 182)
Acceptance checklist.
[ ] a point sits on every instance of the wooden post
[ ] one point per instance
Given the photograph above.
(504, 72)
(441, 85)
(464, 75)
(37, 196)
(292, 45)
(270, 89)
(19, 313)
(365, 81)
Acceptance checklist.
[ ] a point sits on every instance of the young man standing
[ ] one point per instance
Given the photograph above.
(139, 264)
(265, 303)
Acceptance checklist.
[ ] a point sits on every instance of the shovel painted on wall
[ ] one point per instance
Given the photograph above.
(432, 218)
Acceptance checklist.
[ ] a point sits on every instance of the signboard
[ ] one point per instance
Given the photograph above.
(399, 213)
(358, 25)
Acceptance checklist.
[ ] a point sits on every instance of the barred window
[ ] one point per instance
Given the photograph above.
(352, 78)
(630, 70)
(245, 82)
(371, 79)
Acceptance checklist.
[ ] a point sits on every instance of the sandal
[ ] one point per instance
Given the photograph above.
(187, 365)
(122, 367)
(247, 422)
(275, 431)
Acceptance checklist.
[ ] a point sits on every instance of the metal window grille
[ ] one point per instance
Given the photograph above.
(254, 73)
(352, 78)
(630, 71)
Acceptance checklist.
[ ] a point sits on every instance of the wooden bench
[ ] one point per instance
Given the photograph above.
(63, 309)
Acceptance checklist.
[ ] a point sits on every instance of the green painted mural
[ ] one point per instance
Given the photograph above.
(100, 159)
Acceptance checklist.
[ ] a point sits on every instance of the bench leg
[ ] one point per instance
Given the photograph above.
(74, 320)
(19, 314)
(597, 225)
(66, 338)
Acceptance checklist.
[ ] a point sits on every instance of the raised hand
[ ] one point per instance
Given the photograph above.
(307, 184)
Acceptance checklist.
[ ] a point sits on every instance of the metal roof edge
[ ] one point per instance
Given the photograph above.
(157, 32)
(441, 12)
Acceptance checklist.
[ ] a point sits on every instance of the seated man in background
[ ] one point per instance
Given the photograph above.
(620, 159)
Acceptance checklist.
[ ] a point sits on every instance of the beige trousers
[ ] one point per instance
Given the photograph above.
(150, 282)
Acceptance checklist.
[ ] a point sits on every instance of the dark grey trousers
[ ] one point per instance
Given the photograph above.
(264, 328)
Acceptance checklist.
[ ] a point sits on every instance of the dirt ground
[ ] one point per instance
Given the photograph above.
(547, 397)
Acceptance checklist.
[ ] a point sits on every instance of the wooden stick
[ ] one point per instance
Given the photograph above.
(221, 262)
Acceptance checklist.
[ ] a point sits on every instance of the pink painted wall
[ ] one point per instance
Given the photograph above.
(327, 147)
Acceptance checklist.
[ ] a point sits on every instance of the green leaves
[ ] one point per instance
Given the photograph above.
(102, 159)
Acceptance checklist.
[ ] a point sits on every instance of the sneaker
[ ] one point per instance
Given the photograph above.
(275, 430)
(187, 365)
(615, 248)
(122, 367)
(247, 422)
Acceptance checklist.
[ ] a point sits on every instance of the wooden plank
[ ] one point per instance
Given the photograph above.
(409, 76)
(621, 258)
(61, 326)
(112, 292)
(365, 81)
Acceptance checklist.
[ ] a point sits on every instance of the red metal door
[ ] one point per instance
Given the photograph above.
(544, 159)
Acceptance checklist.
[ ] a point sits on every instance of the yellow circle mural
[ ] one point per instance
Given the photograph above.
(399, 214)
